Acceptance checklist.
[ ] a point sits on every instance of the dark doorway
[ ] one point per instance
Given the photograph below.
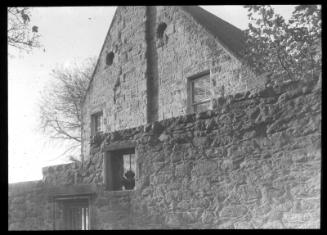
(76, 214)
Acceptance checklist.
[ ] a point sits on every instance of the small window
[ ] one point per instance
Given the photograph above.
(96, 123)
(110, 58)
(199, 93)
(161, 29)
(120, 170)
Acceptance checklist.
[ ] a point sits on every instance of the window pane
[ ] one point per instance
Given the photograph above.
(129, 165)
(126, 162)
(87, 218)
(83, 215)
(133, 163)
(100, 122)
(97, 119)
(97, 123)
(201, 107)
(129, 162)
(201, 89)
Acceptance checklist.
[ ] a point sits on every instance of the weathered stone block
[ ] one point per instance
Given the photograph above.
(200, 141)
(243, 225)
(163, 137)
(273, 225)
(232, 212)
(204, 167)
(183, 170)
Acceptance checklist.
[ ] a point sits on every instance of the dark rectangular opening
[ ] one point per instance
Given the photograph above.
(76, 214)
(120, 169)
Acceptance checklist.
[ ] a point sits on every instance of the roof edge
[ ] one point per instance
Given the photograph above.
(226, 47)
(98, 61)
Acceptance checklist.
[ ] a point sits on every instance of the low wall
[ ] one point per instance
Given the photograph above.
(252, 162)
(28, 207)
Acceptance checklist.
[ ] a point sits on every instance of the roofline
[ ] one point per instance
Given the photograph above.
(98, 61)
(237, 56)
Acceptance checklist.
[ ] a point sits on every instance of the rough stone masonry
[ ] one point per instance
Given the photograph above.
(252, 161)
(147, 80)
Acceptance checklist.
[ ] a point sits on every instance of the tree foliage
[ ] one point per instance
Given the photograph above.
(60, 106)
(289, 49)
(21, 34)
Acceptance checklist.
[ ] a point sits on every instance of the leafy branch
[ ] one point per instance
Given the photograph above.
(285, 49)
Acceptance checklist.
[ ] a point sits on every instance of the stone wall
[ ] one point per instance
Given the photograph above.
(252, 162)
(28, 207)
(89, 172)
(119, 90)
(148, 78)
(187, 50)
(31, 207)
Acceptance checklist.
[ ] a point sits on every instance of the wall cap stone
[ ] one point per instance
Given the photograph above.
(23, 187)
(71, 190)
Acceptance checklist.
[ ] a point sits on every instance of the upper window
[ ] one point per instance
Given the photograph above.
(120, 170)
(161, 29)
(199, 89)
(96, 123)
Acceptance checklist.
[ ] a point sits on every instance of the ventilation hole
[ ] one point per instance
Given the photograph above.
(161, 29)
(110, 58)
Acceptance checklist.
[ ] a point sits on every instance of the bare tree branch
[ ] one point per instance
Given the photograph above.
(60, 106)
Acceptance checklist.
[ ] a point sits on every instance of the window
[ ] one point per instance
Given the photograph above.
(199, 93)
(76, 215)
(161, 36)
(120, 170)
(96, 123)
(110, 58)
(161, 29)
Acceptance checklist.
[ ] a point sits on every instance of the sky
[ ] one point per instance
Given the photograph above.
(68, 35)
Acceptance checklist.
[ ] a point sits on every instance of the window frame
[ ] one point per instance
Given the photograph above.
(162, 27)
(95, 124)
(75, 204)
(190, 92)
(111, 155)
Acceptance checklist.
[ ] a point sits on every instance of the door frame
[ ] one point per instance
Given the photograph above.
(66, 200)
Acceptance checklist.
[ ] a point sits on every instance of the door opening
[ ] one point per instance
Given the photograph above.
(76, 214)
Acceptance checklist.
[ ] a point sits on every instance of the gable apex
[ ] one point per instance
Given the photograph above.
(231, 37)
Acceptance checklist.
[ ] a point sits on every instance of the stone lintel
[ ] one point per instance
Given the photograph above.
(72, 190)
(119, 145)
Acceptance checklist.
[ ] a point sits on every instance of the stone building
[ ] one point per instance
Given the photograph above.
(178, 133)
(163, 62)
